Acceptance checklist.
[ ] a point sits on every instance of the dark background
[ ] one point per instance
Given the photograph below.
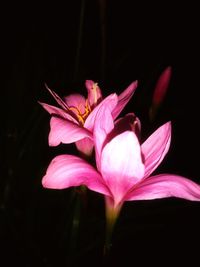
(113, 43)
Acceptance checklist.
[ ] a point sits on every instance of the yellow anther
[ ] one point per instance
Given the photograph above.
(81, 119)
(87, 110)
(87, 106)
(81, 116)
(76, 110)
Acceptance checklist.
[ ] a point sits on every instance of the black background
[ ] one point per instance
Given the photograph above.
(116, 43)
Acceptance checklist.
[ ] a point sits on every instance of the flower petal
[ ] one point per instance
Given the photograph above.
(124, 98)
(121, 164)
(103, 126)
(76, 101)
(66, 171)
(165, 185)
(57, 98)
(65, 131)
(155, 148)
(110, 102)
(85, 146)
(57, 111)
(94, 93)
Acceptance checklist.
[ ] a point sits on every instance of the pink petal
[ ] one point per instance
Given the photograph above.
(65, 131)
(124, 98)
(76, 101)
(85, 146)
(58, 111)
(57, 98)
(94, 93)
(121, 164)
(110, 102)
(161, 86)
(155, 148)
(103, 126)
(165, 185)
(66, 171)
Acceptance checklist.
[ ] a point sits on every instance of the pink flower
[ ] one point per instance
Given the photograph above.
(124, 167)
(73, 121)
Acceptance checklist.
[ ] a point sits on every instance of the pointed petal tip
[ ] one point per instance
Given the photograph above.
(47, 87)
(89, 84)
(135, 83)
(41, 103)
(124, 98)
(169, 69)
(133, 86)
(167, 74)
(89, 81)
(168, 125)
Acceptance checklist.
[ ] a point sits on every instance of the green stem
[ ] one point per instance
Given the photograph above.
(79, 202)
(112, 213)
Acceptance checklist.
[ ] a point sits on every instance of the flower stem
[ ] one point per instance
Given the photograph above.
(109, 231)
(112, 213)
(79, 200)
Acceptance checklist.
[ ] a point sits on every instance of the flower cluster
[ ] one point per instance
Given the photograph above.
(124, 166)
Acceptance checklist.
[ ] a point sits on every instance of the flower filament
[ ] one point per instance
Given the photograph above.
(81, 116)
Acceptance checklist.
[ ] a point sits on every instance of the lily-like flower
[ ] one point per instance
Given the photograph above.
(74, 120)
(124, 167)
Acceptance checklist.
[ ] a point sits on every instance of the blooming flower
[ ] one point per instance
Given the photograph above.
(73, 121)
(124, 167)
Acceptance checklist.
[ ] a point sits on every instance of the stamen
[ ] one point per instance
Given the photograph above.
(81, 117)
(87, 109)
(94, 87)
(74, 109)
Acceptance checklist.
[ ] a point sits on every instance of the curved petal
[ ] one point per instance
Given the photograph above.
(124, 98)
(155, 148)
(94, 93)
(110, 102)
(121, 164)
(57, 111)
(85, 146)
(66, 171)
(102, 127)
(65, 131)
(76, 102)
(57, 98)
(165, 185)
